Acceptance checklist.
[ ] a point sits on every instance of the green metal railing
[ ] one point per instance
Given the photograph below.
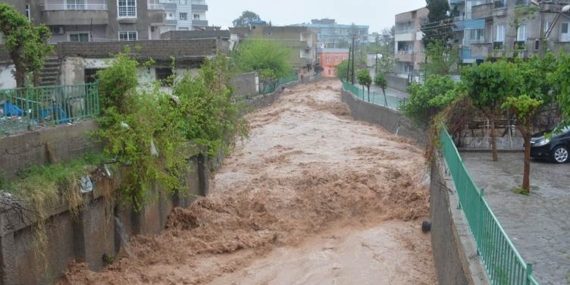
(503, 263)
(270, 88)
(389, 101)
(23, 108)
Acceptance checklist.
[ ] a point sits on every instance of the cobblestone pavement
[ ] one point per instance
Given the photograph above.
(538, 224)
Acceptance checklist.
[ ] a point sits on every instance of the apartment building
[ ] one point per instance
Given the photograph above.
(300, 40)
(330, 58)
(111, 20)
(330, 34)
(409, 49)
(487, 28)
(183, 15)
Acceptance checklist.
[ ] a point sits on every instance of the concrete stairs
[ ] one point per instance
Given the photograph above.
(49, 75)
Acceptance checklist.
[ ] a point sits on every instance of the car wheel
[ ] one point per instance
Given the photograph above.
(560, 154)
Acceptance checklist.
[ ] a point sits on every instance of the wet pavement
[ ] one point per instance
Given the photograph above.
(538, 224)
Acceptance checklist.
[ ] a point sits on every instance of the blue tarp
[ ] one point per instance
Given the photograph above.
(12, 110)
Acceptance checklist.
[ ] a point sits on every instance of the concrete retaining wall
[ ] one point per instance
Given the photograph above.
(389, 119)
(91, 235)
(62, 143)
(246, 84)
(397, 83)
(94, 233)
(453, 246)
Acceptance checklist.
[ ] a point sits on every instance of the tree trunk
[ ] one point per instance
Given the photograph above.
(526, 135)
(368, 87)
(493, 138)
(36, 78)
(385, 98)
(20, 74)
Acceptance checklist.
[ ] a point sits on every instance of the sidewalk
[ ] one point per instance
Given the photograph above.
(389, 91)
(538, 224)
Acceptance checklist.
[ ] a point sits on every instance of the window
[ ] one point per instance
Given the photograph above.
(475, 36)
(330, 72)
(336, 58)
(183, 2)
(196, 16)
(183, 29)
(500, 3)
(500, 35)
(328, 58)
(78, 37)
(128, 36)
(127, 8)
(75, 5)
(565, 32)
(547, 26)
(183, 17)
(521, 33)
(28, 13)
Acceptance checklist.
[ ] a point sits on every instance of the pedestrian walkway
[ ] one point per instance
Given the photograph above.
(537, 224)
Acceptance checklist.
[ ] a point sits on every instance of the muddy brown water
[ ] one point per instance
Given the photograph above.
(311, 197)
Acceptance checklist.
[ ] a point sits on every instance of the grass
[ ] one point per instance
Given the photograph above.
(522, 191)
(44, 186)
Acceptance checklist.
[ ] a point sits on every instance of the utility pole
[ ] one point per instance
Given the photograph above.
(542, 47)
(348, 69)
(353, 59)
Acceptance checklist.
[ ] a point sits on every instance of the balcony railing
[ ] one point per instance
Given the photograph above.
(199, 7)
(155, 6)
(200, 23)
(404, 31)
(75, 7)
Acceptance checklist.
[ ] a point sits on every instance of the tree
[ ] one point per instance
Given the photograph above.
(245, 18)
(262, 55)
(381, 81)
(524, 107)
(442, 59)
(26, 43)
(439, 25)
(428, 99)
(488, 85)
(364, 79)
(387, 38)
(561, 85)
(342, 70)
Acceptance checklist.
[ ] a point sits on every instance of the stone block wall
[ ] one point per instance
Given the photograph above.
(155, 49)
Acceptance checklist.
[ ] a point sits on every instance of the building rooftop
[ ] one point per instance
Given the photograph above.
(329, 25)
(333, 50)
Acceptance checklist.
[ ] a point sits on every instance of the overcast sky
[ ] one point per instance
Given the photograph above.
(377, 14)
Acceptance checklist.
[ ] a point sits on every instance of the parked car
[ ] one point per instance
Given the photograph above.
(553, 145)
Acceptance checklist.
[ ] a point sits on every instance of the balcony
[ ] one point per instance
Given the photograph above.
(199, 23)
(483, 11)
(199, 7)
(75, 14)
(155, 6)
(481, 50)
(171, 21)
(404, 55)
